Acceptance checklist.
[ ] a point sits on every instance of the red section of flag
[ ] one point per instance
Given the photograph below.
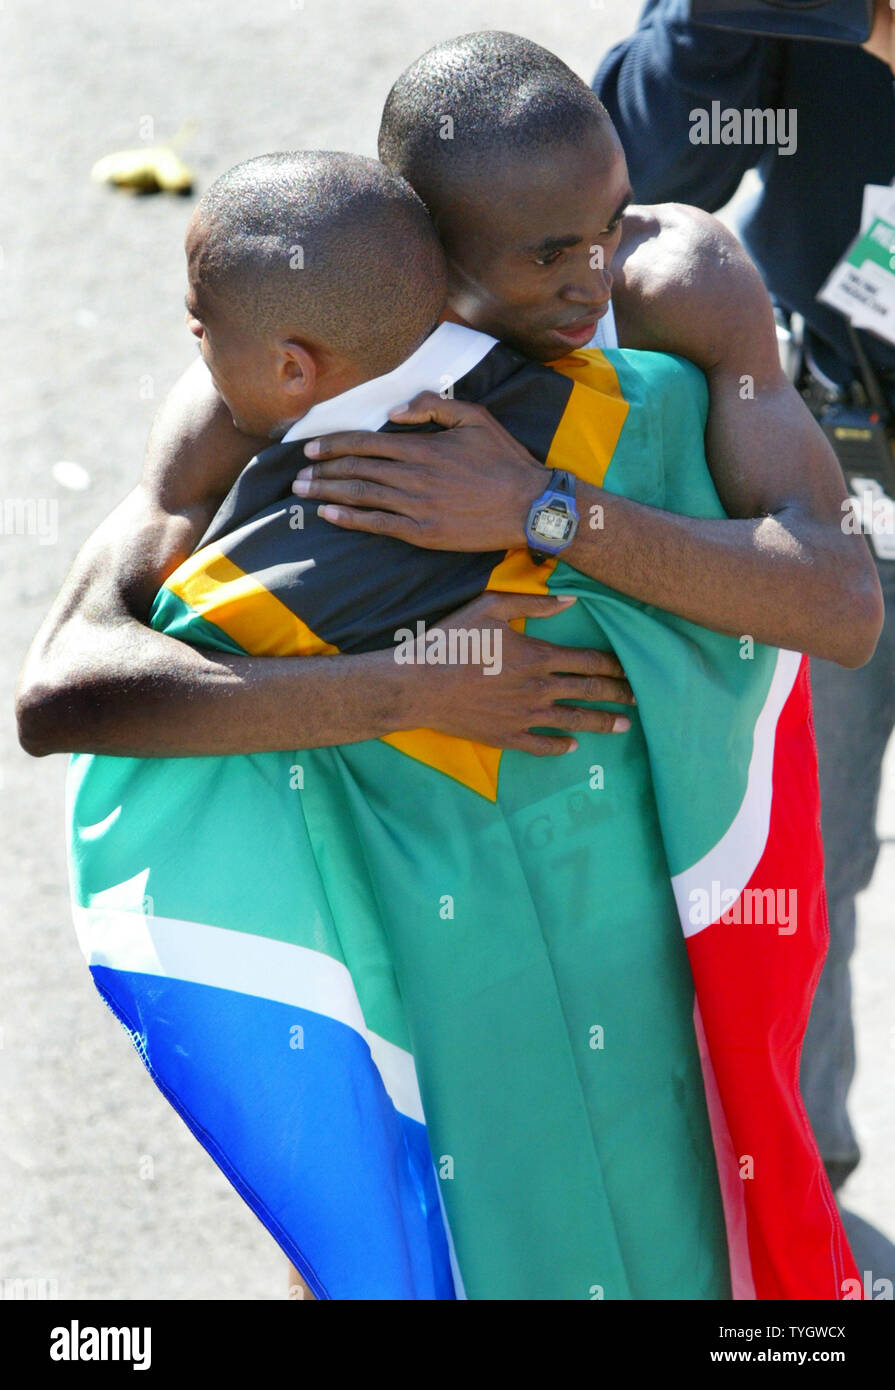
(755, 979)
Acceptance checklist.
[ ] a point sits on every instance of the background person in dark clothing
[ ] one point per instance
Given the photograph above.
(796, 227)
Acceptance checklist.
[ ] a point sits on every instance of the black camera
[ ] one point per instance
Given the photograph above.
(862, 442)
(842, 21)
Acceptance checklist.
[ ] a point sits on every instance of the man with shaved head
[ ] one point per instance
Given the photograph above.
(273, 296)
(522, 130)
(526, 180)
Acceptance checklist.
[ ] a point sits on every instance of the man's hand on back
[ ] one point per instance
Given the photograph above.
(502, 709)
(99, 680)
(466, 488)
(781, 568)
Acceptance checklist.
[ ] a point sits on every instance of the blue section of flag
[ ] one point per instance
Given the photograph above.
(299, 1113)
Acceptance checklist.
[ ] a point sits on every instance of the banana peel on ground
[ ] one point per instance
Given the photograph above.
(152, 169)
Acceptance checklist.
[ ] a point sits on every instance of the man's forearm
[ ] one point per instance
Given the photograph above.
(774, 578)
(778, 568)
(121, 689)
(134, 692)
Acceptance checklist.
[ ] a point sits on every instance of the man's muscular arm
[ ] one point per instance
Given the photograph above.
(782, 570)
(98, 679)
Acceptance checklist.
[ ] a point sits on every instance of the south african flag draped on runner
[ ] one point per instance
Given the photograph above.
(428, 1005)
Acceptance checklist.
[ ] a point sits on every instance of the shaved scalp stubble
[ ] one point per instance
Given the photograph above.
(332, 249)
(473, 103)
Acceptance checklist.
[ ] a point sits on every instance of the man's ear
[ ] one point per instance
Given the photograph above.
(298, 371)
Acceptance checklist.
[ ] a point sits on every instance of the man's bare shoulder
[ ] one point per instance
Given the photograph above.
(195, 452)
(683, 283)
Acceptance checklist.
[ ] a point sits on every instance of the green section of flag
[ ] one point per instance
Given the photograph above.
(171, 615)
(699, 692)
(544, 976)
(528, 953)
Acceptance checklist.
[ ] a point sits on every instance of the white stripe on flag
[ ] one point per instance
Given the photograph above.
(733, 1188)
(443, 359)
(246, 964)
(733, 860)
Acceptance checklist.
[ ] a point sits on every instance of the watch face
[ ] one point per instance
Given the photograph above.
(552, 525)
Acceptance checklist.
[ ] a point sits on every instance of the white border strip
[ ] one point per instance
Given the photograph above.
(459, 1290)
(733, 860)
(245, 964)
(733, 1188)
(443, 359)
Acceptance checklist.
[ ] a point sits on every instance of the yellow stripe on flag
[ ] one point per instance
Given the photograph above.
(216, 589)
(475, 765)
(585, 440)
(221, 593)
(589, 430)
